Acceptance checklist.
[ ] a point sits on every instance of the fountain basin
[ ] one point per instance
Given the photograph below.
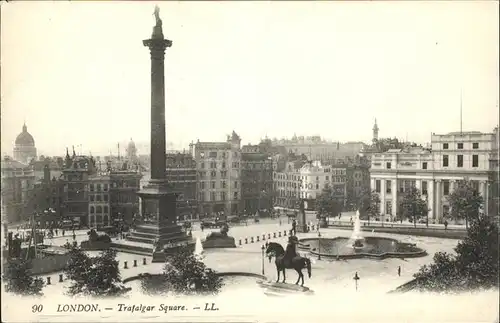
(373, 247)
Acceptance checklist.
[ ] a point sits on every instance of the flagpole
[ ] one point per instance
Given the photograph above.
(461, 111)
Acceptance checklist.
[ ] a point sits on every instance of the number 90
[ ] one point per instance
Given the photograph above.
(37, 308)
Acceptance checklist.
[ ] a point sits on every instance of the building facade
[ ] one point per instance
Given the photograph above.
(256, 179)
(99, 200)
(218, 166)
(453, 157)
(24, 148)
(18, 181)
(287, 184)
(358, 182)
(181, 175)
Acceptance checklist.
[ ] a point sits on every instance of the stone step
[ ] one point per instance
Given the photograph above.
(132, 251)
(148, 240)
(132, 248)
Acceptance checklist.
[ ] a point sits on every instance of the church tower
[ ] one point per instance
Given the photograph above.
(375, 132)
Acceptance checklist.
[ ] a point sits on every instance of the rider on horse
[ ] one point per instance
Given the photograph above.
(291, 251)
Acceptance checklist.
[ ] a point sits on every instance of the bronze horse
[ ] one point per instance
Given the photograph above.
(298, 263)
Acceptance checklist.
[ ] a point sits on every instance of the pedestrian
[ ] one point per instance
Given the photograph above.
(57, 232)
(399, 271)
(74, 235)
(294, 227)
(445, 224)
(201, 226)
(63, 232)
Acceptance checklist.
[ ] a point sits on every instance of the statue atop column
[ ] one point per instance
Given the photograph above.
(157, 29)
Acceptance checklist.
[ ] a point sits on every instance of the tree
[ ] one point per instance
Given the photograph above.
(369, 205)
(185, 274)
(413, 206)
(474, 267)
(18, 279)
(465, 202)
(94, 276)
(326, 203)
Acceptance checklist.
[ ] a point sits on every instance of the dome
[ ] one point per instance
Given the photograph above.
(131, 145)
(24, 138)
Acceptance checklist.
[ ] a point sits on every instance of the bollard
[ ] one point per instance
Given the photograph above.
(269, 236)
(263, 237)
(125, 265)
(274, 234)
(60, 278)
(246, 240)
(135, 262)
(279, 234)
(257, 238)
(48, 280)
(251, 239)
(240, 242)
(284, 233)
(143, 261)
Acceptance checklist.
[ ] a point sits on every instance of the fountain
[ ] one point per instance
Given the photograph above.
(359, 246)
(356, 237)
(198, 249)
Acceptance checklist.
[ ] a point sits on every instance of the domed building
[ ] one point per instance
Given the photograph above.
(24, 148)
(132, 152)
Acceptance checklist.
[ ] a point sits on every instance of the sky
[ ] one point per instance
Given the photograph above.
(78, 74)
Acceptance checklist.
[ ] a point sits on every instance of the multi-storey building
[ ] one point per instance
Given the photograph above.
(49, 194)
(18, 182)
(181, 175)
(256, 179)
(99, 200)
(358, 182)
(454, 156)
(287, 183)
(218, 166)
(76, 173)
(314, 177)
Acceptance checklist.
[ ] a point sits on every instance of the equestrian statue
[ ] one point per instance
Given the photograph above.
(289, 259)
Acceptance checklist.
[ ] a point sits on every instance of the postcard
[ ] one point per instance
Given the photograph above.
(250, 161)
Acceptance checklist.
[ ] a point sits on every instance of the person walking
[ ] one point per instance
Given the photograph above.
(294, 227)
(399, 271)
(445, 224)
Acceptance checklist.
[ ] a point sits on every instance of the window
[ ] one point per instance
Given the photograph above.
(445, 146)
(105, 197)
(202, 185)
(235, 195)
(202, 165)
(91, 186)
(98, 187)
(106, 187)
(223, 184)
(223, 196)
(212, 196)
(106, 210)
(424, 187)
(460, 161)
(223, 164)
(388, 188)
(213, 173)
(424, 165)
(460, 145)
(388, 165)
(212, 154)
(317, 186)
(445, 160)
(98, 197)
(92, 210)
(446, 188)
(99, 209)
(91, 197)
(235, 184)
(213, 164)
(200, 196)
(327, 178)
(212, 184)
(475, 145)
(475, 160)
(377, 186)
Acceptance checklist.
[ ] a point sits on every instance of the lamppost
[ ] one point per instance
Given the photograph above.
(356, 278)
(319, 245)
(427, 215)
(263, 249)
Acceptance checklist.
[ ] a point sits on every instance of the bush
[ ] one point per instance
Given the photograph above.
(18, 280)
(184, 274)
(474, 267)
(94, 276)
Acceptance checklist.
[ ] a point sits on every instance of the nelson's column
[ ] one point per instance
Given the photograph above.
(158, 201)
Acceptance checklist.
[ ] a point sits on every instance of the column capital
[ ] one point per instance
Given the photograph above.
(438, 180)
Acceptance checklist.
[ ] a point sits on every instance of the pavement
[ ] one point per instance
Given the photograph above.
(376, 275)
